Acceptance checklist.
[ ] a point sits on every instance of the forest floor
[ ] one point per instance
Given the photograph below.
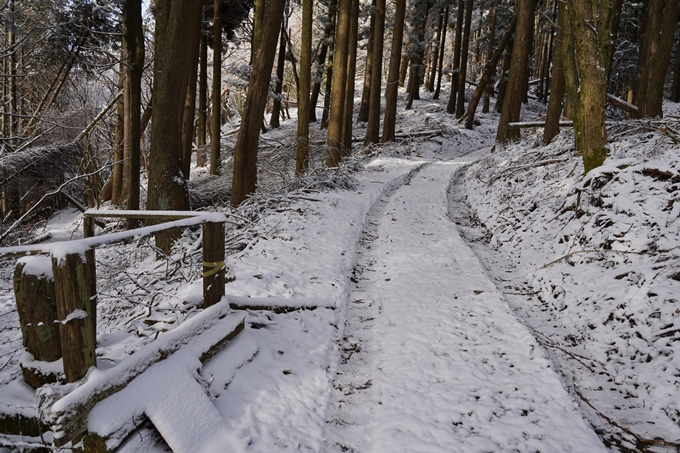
(450, 298)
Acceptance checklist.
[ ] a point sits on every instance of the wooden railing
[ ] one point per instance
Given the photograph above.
(74, 271)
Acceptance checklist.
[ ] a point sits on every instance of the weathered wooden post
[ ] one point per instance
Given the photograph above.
(37, 307)
(75, 285)
(213, 263)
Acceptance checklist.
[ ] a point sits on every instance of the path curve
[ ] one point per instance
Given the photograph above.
(433, 358)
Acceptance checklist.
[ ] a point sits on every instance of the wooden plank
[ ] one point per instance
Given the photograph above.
(201, 336)
(527, 124)
(620, 103)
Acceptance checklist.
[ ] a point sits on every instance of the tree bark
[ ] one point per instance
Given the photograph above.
(656, 44)
(134, 44)
(675, 93)
(492, 43)
(177, 29)
(332, 19)
(373, 127)
(451, 106)
(202, 103)
(245, 153)
(392, 88)
(351, 75)
(460, 106)
(591, 44)
(417, 68)
(278, 89)
(434, 65)
(117, 195)
(552, 120)
(505, 71)
(442, 47)
(320, 65)
(216, 118)
(302, 152)
(512, 102)
(364, 107)
(337, 111)
(189, 116)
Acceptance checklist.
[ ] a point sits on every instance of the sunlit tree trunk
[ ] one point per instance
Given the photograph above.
(302, 153)
(337, 111)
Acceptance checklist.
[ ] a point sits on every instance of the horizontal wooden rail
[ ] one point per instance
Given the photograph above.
(74, 270)
(82, 245)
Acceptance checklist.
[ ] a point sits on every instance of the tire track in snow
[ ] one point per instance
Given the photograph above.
(433, 358)
(353, 376)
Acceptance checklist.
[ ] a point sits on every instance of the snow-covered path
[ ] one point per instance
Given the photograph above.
(433, 358)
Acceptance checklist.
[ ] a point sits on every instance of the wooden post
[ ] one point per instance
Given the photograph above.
(75, 284)
(213, 263)
(88, 227)
(37, 307)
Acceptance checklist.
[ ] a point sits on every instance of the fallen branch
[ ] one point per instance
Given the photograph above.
(586, 251)
(641, 441)
(623, 105)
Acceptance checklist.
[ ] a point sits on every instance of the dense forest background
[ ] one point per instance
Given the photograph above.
(100, 98)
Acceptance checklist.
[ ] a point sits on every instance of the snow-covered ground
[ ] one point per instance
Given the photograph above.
(450, 299)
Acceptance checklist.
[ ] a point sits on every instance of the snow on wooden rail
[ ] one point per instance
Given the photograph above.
(190, 345)
(74, 270)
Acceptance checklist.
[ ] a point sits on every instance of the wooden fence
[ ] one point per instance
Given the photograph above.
(74, 271)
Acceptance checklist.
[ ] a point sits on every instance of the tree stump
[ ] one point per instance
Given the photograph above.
(75, 284)
(37, 307)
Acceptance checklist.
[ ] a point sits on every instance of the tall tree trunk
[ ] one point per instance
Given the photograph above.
(392, 88)
(332, 19)
(489, 71)
(512, 102)
(320, 65)
(216, 118)
(351, 76)
(442, 47)
(177, 29)
(417, 69)
(302, 153)
(439, 49)
(617, 6)
(366, 93)
(658, 29)
(188, 128)
(675, 93)
(202, 103)
(336, 118)
(591, 46)
(552, 120)
(492, 44)
(403, 70)
(245, 153)
(278, 89)
(134, 44)
(460, 106)
(451, 106)
(505, 71)
(117, 195)
(373, 127)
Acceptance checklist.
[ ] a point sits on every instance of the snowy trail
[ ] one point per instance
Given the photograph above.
(433, 358)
